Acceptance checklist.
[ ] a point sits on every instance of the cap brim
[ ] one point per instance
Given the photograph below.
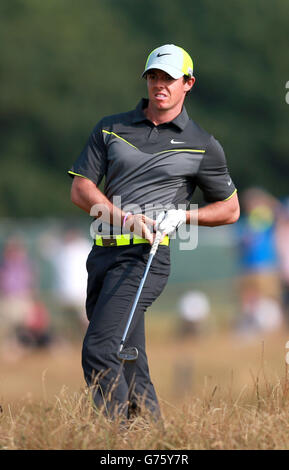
(172, 71)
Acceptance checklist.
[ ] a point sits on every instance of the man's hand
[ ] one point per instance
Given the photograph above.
(171, 220)
(141, 225)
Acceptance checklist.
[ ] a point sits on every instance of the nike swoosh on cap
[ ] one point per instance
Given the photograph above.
(160, 55)
(173, 141)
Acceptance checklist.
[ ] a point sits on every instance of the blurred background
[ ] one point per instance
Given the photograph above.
(64, 65)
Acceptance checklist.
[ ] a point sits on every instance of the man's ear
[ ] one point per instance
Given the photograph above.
(189, 84)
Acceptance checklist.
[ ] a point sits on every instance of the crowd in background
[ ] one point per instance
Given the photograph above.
(27, 319)
(262, 280)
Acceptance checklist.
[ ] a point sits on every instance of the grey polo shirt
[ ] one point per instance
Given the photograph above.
(150, 165)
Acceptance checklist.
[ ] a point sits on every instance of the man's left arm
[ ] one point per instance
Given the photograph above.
(217, 213)
(212, 215)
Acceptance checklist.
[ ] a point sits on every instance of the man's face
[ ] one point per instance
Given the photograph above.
(166, 93)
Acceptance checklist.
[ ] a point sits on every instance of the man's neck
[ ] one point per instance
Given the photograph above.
(157, 116)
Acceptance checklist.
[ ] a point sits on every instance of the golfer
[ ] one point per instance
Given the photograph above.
(152, 159)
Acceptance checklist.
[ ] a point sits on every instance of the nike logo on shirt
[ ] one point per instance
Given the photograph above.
(173, 141)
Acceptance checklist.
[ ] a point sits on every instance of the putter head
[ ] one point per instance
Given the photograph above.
(128, 354)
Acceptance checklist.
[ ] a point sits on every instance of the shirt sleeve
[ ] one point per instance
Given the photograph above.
(213, 177)
(92, 161)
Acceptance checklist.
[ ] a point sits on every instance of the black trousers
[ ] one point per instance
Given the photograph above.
(114, 275)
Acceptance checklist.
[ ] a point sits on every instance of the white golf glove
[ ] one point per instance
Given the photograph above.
(169, 221)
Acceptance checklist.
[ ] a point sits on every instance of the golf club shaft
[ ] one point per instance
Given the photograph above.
(151, 255)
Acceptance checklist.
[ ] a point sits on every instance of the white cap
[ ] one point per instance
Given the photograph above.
(171, 59)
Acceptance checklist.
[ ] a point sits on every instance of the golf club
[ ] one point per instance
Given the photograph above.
(131, 353)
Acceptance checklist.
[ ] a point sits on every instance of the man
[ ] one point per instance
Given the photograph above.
(153, 156)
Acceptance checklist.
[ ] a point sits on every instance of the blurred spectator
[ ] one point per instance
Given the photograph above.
(282, 243)
(70, 283)
(17, 282)
(194, 309)
(24, 320)
(259, 283)
(35, 330)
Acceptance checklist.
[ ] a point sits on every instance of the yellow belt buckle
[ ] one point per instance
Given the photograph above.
(116, 240)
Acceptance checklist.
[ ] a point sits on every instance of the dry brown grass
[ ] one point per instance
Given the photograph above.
(217, 391)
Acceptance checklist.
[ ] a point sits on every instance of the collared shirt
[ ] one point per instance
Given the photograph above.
(146, 165)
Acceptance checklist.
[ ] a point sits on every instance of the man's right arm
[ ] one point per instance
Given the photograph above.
(85, 194)
(88, 197)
